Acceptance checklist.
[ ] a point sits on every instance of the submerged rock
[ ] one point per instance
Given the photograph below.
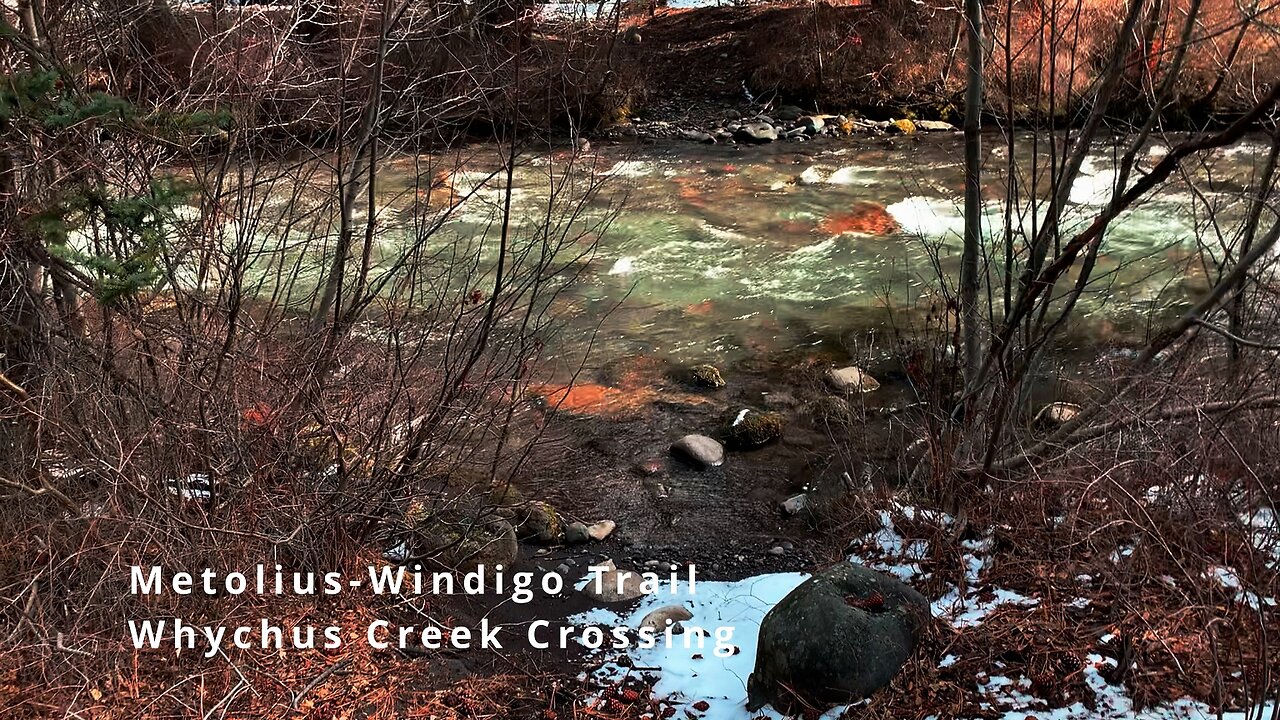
(699, 450)
(698, 136)
(832, 412)
(752, 429)
(838, 637)
(851, 379)
(704, 376)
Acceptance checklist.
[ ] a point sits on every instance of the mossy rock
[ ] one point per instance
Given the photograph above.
(705, 376)
(540, 523)
(752, 429)
(462, 540)
(831, 411)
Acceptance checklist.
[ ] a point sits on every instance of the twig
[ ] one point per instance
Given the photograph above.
(1236, 338)
(319, 679)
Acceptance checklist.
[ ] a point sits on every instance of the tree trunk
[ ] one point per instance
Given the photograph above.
(969, 283)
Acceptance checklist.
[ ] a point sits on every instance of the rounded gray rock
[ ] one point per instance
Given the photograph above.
(699, 450)
(756, 132)
(838, 637)
(576, 533)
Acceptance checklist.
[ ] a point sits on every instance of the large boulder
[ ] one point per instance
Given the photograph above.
(699, 450)
(838, 637)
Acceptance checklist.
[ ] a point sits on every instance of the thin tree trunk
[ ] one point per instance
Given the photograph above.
(969, 284)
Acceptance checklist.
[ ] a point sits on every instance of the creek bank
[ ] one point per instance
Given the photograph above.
(790, 124)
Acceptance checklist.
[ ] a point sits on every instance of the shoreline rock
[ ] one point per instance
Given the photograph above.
(837, 638)
(699, 450)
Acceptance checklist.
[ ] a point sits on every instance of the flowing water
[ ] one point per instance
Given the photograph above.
(725, 253)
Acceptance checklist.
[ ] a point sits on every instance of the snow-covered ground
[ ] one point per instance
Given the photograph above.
(701, 684)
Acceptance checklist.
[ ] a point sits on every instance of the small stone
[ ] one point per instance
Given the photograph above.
(614, 585)
(670, 615)
(795, 504)
(698, 136)
(649, 468)
(851, 379)
(699, 450)
(777, 550)
(562, 569)
(601, 530)
(576, 533)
